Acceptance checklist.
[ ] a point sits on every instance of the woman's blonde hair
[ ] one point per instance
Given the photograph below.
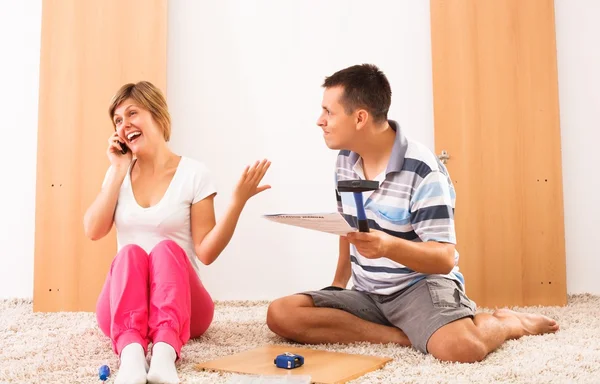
(148, 96)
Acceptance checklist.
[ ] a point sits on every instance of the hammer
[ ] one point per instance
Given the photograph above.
(357, 187)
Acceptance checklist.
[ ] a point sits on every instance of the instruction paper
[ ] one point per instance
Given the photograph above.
(323, 222)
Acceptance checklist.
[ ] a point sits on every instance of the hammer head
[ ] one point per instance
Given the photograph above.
(357, 185)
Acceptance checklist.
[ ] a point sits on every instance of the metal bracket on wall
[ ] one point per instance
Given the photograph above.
(444, 156)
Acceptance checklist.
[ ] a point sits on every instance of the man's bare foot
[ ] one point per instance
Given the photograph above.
(529, 324)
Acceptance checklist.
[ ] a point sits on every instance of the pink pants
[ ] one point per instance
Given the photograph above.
(155, 297)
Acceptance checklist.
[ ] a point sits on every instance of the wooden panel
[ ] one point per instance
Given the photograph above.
(323, 367)
(88, 50)
(496, 113)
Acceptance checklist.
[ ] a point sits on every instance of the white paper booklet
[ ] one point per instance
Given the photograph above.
(323, 222)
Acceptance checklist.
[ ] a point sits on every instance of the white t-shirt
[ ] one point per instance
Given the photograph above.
(170, 217)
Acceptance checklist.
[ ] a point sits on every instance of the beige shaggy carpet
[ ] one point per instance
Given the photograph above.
(69, 348)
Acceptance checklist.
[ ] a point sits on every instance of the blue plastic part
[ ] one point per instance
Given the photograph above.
(363, 223)
(104, 372)
(360, 206)
(289, 361)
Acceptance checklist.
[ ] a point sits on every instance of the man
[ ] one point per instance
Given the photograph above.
(406, 285)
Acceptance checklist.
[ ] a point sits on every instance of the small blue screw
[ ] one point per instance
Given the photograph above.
(104, 372)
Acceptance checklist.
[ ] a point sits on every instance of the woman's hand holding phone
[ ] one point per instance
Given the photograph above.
(115, 152)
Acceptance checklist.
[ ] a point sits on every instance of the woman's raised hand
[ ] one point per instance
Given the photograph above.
(247, 186)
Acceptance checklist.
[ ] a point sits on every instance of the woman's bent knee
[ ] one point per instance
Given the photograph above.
(167, 248)
(130, 254)
(167, 244)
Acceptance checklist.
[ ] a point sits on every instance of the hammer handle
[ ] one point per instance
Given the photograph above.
(361, 215)
(363, 226)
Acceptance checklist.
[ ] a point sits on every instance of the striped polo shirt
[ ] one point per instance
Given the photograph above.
(415, 201)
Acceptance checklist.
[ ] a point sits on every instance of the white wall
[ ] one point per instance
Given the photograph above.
(578, 51)
(244, 83)
(251, 70)
(20, 28)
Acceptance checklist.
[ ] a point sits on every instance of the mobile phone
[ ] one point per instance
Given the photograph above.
(124, 148)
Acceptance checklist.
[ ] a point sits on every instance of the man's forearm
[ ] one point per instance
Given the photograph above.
(343, 270)
(430, 257)
(342, 276)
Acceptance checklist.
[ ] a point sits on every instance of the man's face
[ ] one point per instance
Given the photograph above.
(338, 127)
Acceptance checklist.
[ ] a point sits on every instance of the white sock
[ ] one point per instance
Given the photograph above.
(133, 367)
(162, 365)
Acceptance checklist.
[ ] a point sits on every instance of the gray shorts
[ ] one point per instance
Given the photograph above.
(418, 310)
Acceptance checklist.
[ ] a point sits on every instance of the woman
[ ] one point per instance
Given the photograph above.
(162, 207)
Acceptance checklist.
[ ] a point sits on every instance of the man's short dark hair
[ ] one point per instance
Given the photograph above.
(365, 86)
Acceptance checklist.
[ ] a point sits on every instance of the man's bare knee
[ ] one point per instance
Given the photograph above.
(276, 315)
(282, 314)
(457, 342)
(459, 350)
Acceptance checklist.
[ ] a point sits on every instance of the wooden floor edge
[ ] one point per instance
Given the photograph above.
(375, 368)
